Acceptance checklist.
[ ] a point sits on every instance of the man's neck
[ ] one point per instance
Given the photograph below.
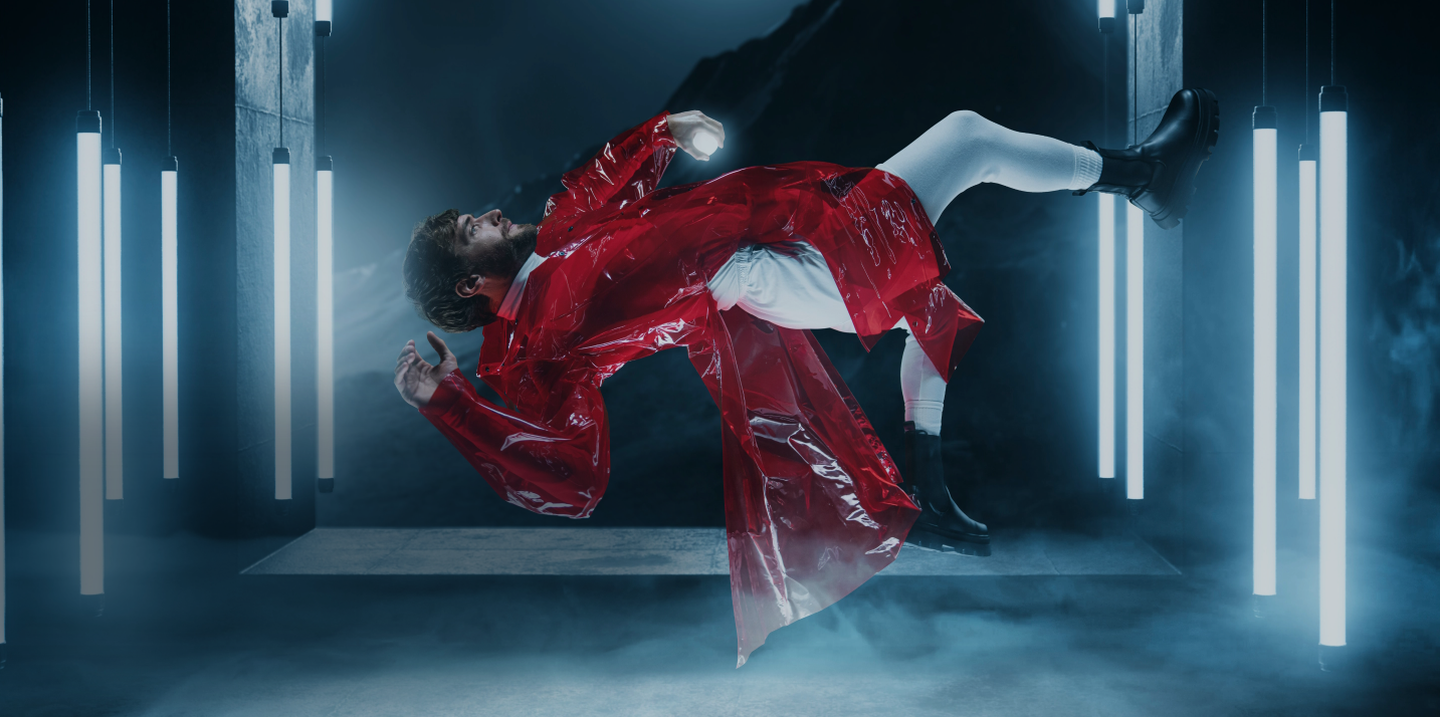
(510, 301)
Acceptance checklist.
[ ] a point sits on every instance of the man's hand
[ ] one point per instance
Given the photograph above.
(687, 127)
(415, 378)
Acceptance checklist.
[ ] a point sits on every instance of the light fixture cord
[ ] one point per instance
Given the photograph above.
(1135, 80)
(280, 35)
(1264, 46)
(1307, 72)
(1332, 42)
(112, 74)
(169, 148)
(88, 106)
(320, 110)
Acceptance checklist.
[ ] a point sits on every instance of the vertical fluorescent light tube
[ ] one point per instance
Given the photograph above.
(1263, 465)
(323, 10)
(91, 378)
(1333, 217)
(1307, 321)
(282, 323)
(1107, 333)
(114, 410)
(2, 384)
(1107, 16)
(324, 321)
(1134, 353)
(169, 330)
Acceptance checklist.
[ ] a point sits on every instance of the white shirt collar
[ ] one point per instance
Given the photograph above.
(511, 303)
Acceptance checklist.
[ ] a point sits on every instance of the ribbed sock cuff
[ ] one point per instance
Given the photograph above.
(925, 414)
(1087, 168)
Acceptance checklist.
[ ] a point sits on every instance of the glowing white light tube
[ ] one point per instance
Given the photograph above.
(282, 329)
(1134, 353)
(1307, 329)
(169, 330)
(92, 377)
(1107, 8)
(1333, 216)
(323, 10)
(2, 373)
(1107, 335)
(1263, 466)
(114, 411)
(324, 325)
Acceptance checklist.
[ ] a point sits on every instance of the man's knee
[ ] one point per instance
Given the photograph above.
(968, 124)
(977, 140)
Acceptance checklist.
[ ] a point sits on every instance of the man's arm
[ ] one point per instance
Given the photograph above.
(629, 166)
(550, 455)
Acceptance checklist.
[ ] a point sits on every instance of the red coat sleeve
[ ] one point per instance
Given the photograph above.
(551, 458)
(627, 168)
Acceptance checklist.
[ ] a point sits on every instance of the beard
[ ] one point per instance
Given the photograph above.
(504, 259)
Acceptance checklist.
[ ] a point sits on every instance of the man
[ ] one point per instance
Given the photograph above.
(736, 270)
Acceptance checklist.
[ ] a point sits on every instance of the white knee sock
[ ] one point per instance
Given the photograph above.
(965, 149)
(922, 387)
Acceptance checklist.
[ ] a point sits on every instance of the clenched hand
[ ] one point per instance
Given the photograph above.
(415, 378)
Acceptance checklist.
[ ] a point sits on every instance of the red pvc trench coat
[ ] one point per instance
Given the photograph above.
(812, 505)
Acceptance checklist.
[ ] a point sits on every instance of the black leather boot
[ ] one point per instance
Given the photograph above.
(941, 525)
(1158, 175)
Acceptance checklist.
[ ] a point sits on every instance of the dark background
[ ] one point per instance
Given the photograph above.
(459, 104)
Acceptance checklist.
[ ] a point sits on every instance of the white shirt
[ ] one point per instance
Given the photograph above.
(789, 285)
(511, 302)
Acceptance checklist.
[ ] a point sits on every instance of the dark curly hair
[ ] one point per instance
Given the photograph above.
(431, 271)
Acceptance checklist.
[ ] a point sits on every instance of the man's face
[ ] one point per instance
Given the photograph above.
(477, 237)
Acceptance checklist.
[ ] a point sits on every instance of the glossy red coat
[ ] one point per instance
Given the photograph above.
(812, 505)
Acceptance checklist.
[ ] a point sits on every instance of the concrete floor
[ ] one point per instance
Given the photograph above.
(181, 638)
(667, 551)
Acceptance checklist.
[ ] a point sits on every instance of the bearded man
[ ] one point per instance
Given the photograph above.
(737, 270)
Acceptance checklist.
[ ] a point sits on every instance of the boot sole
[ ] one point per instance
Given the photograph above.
(1207, 133)
(934, 541)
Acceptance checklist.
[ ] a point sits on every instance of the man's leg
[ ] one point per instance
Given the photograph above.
(942, 524)
(965, 149)
(1157, 175)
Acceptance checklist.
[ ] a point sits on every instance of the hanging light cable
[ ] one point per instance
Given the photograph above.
(1135, 296)
(91, 369)
(114, 411)
(170, 353)
(1334, 106)
(281, 8)
(324, 283)
(1264, 401)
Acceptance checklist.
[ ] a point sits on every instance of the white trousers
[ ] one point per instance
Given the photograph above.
(791, 286)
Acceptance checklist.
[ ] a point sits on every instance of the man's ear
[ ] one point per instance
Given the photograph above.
(470, 285)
